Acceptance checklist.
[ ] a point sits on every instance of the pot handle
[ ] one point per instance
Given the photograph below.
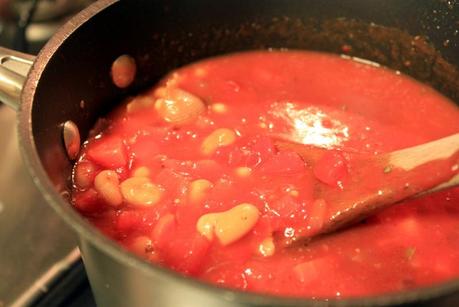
(14, 67)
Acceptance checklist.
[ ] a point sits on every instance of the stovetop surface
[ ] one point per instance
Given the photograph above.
(71, 290)
(32, 236)
(36, 246)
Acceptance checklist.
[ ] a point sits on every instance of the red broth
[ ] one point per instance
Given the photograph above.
(186, 175)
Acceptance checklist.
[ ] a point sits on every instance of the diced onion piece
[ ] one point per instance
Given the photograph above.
(140, 191)
(198, 189)
(86, 201)
(218, 138)
(128, 221)
(179, 107)
(229, 226)
(106, 184)
(267, 247)
(123, 71)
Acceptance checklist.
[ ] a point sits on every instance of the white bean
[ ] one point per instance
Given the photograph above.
(218, 138)
(106, 184)
(229, 226)
(179, 107)
(140, 191)
(198, 189)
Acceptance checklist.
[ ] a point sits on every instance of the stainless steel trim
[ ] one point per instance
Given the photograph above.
(14, 67)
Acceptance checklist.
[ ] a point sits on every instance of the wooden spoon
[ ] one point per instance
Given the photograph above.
(378, 181)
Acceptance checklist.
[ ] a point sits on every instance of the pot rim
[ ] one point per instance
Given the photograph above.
(89, 233)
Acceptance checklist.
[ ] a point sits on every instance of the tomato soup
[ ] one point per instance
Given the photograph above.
(188, 176)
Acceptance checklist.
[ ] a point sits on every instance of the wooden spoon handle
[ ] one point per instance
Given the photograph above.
(379, 181)
(412, 157)
(452, 182)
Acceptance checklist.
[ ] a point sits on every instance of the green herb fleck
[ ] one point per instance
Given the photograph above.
(410, 252)
(387, 169)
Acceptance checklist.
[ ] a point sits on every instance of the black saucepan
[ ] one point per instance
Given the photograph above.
(70, 80)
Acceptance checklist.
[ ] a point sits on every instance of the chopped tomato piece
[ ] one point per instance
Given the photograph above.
(164, 230)
(248, 152)
(173, 183)
(263, 228)
(283, 163)
(200, 169)
(144, 148)
(310, 271)
(263, 146)
(317, 214)
(331, 169)
(227, 274)
(128, 221)
(108, 152)
(286, 206)
(286, 212)
(87, 201)
(186, 253)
